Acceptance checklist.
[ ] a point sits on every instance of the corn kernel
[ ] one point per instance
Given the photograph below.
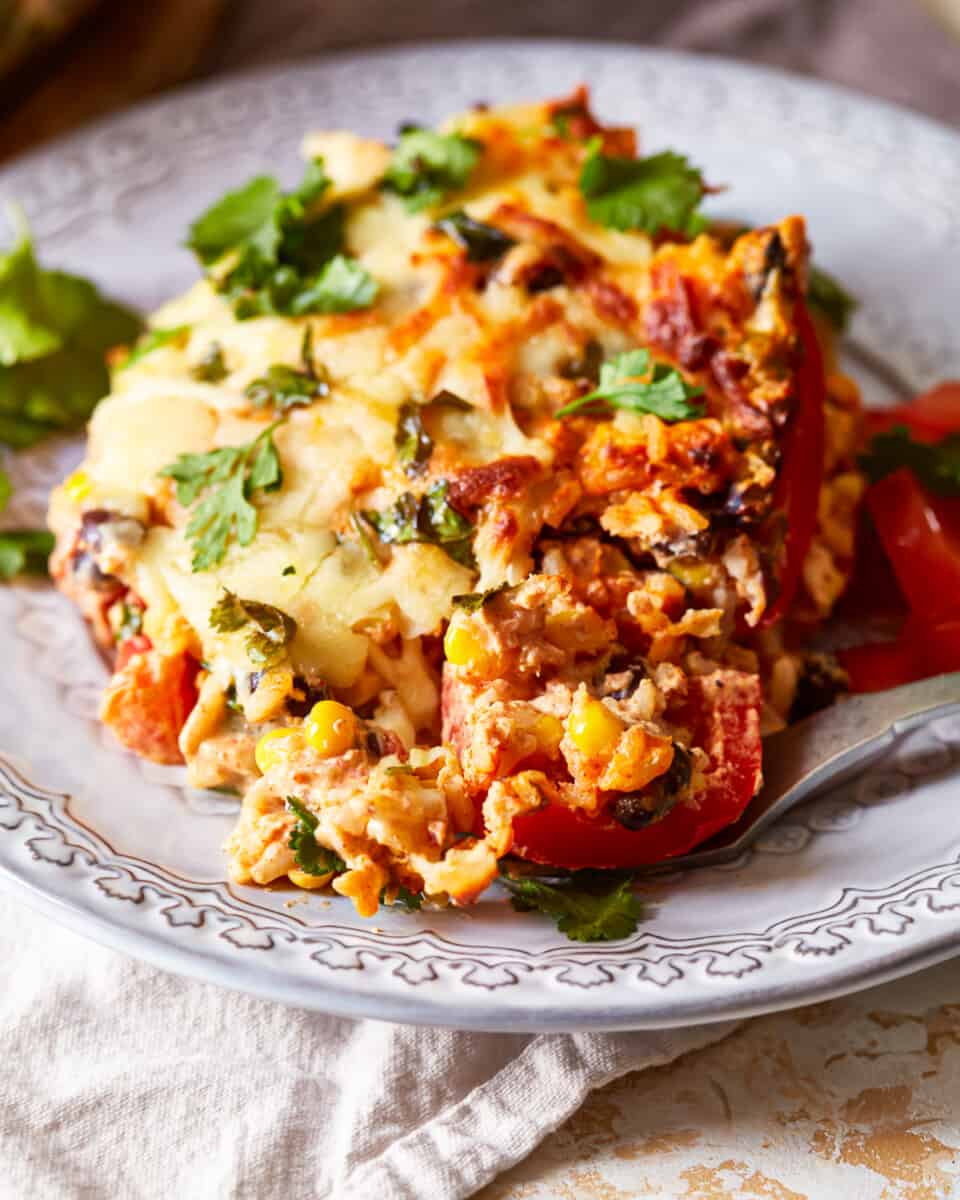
(593, 728)
(463, 648)
(331, 728)
(311, 882)
(78, 486)
(548, 730)
(273, 746)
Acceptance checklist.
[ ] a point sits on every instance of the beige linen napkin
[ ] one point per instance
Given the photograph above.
(122, 1082)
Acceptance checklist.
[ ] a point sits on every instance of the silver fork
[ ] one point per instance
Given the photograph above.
(821, 751)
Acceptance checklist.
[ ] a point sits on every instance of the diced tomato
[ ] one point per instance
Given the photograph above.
(929, 416)
(797, 492)
(723, 711)
(921, 536)
(148, 701)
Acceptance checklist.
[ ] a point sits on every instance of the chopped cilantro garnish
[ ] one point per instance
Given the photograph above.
(24, 552)
(483, 243)
(310, 856)
(827, 295)
(152, 340)
(427, 166)
(55, 330)
(661, 192)
(229, 477)
(472, 601)
(632, 382)
(413, 444)
(427, 518)
(129, 621)
(6, 489)
(285, 387)
(936, 466)
(404, 898)
(589, 906)
(272, 629)
(211, 368)
(289, 569)
(272, 252)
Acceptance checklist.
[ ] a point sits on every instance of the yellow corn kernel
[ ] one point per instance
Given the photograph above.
(464, 648)
(548, 731)
(302, 880)
(331, 728)
(273, 747)
(593, 728)
(78, 486)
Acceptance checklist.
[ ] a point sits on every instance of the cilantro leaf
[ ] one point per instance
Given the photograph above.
(483, 243)
(270, 252)
(586, 907)
(229, 477)
(629, 382)
(152, 340)
(428, 518)
(341, 286)
(6, 489)
(55, 330)
(661, 192)
(936, 466)
(404, 898)
(827, 295)
(310, 856)
(285, 387)
(211, 368)
(473, 601)
(411, 440)
(272, 631)
(427, 166)
(24, 551)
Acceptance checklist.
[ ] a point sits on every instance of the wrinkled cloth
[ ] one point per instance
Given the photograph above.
(121, 1082)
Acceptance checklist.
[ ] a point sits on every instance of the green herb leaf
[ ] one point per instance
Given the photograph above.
(405, 899)
(272, 631)
(128, 622)
(24, 551)
(271, 252)
(427, 166)
(428, 518)
(152, 340)
(6, 489)
(285, 387)
(936, 466)
(211, 368)
(661, 192)
(413, 444)
(483, 243)
(310, 856)
(289, 569)
(229, 477)
(629, 382)
(473, 601)
(342, 286)
(827, 295)
(586, 907)
(55, 330)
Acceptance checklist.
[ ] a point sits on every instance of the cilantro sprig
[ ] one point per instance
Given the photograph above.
(588, 906)
(427, 166)
(24, 552)
(271, 251)
(309, 855)
(661, 192)
(270, 630)
(936, 466)
(428, 518)
(211, 367)
(631, 381)
(152, 340)
(227, 478)
(474, 601)
(55, 330)
(482, 242)
(284, 387)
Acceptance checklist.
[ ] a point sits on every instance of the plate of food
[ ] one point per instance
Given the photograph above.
(480, 492)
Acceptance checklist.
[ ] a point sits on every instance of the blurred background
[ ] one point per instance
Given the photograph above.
(64, 62)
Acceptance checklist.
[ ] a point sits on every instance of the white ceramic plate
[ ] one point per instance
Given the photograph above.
(858, 887)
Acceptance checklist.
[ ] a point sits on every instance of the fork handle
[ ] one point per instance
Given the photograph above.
(824, 750)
